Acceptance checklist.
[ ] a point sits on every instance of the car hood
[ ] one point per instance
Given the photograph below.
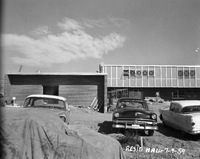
(130, 112)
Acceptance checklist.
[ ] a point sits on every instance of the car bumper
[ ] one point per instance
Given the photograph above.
(131, 125)
(194, 132)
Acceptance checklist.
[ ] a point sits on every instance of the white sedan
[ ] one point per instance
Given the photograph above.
(182, 115)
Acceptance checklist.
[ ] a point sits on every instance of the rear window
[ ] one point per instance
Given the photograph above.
(44, 103)
(191, 109)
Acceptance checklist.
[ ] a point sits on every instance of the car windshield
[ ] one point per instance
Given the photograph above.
(191, 109)
(39, 102)
(131, 103)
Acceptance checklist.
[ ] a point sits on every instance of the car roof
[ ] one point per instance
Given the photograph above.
(185, 103)
(47, 96)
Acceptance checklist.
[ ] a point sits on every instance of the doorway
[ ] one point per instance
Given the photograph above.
(51, 90)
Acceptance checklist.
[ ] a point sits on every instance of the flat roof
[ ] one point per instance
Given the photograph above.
(117, 65)
(60, 74)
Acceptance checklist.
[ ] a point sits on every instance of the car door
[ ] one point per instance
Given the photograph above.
(169, 115)
(176, 121)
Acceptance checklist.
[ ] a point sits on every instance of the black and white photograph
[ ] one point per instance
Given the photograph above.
(100, 79)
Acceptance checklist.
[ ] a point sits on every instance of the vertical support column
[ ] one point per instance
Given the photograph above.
(189, 78)
(177, 78)
(142, 69)
(166, 76)
(161, 76)
(183, 77)
(148, 76)
(116, 76)
(129, 77)
(154, 68)
(171, 83)
(111, 76)
(195, 76)
(123, 77)
(105, 94)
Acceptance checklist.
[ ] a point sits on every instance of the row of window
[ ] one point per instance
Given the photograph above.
(180, 94)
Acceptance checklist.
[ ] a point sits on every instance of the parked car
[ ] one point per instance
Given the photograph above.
(40, 134)
(57, 104)
(134, 114)
(182, 115)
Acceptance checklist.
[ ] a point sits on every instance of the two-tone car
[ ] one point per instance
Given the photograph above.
(183, 115)
(57, 104)
(134, 114)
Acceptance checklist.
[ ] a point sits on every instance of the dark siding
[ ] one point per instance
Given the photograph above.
(78, 89)
(21, 92)
(79, 95)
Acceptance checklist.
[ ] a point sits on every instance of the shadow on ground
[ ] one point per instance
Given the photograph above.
(170, 132)
(105, 127)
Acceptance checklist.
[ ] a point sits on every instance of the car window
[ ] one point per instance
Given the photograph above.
(172, 106)
(176, 108)
(135, 104)
(45, 103)
(191, 109)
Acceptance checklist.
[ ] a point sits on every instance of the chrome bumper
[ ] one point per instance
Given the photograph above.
(144, 125)
(194, 132)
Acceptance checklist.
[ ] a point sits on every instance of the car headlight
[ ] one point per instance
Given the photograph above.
(153, 116)
(116, 115)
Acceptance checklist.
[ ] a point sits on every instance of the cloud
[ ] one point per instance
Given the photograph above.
(41, 31)
(71, 44)
(110, 21)
(94, 23)
(70, 24)
(118, 22)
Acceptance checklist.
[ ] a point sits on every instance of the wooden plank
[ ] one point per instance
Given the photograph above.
(79, 94)
(22, 91)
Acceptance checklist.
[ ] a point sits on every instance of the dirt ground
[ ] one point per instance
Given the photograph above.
(166, 143)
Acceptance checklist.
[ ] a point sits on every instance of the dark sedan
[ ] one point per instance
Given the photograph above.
(134, 114)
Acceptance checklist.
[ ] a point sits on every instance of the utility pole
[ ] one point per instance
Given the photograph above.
(20, 68)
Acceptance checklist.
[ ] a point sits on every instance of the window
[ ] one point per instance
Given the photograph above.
(191, 109)
(129, 103)
(172, 107)
(45, 103)
(178, 94)
(176, 108)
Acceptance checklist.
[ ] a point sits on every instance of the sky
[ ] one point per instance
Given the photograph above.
(77, 35)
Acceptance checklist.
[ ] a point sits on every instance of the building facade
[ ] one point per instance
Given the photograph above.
(80, 89)
(170, 82)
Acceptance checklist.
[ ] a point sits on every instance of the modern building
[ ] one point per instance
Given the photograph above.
(171, 82)
(80, 89)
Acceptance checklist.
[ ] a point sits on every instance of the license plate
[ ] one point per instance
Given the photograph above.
(135, 126)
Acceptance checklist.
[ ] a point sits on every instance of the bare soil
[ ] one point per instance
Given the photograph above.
(166, 142)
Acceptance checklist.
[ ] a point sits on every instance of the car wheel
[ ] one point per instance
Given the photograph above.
(150, 132)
